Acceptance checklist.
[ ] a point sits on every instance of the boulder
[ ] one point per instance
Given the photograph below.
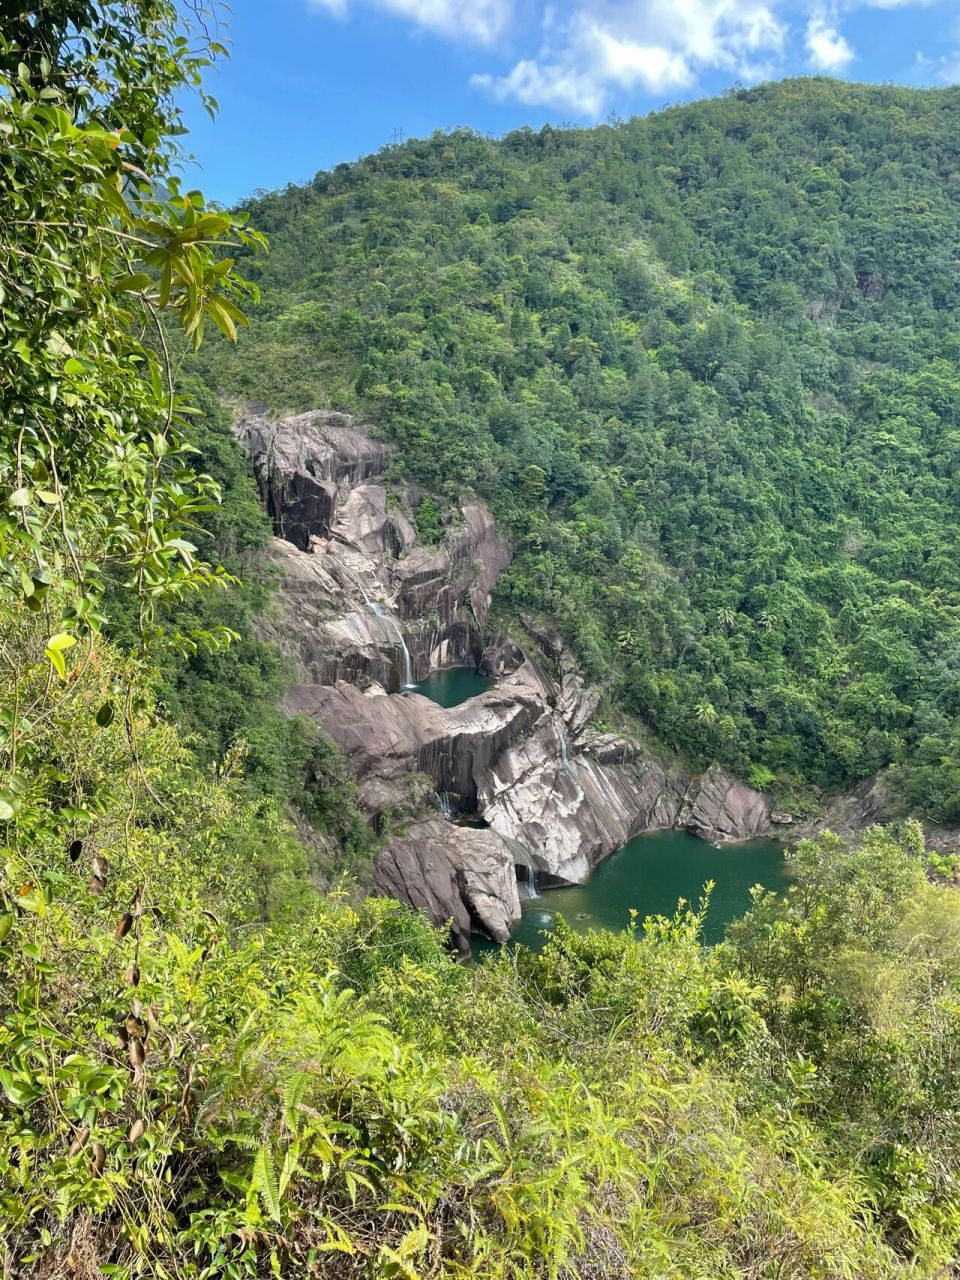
(719, 808)
(456, 875)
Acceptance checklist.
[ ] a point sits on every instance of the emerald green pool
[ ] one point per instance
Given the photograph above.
(453, 685)
(650, 874)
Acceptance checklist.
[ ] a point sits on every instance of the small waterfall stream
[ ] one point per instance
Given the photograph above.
(379, 612)
(445, 805)
(569, 767)
(529, 888)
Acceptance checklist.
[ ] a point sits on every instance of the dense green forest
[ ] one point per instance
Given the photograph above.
(703, 364)
(208, 1070)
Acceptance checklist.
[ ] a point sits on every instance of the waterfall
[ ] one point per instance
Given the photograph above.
(379, 612)
(445, 805)
(568, 767)
(358, 582)
(529, 888)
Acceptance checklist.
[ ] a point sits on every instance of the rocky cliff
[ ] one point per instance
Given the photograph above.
(361, 598)
(365, 611)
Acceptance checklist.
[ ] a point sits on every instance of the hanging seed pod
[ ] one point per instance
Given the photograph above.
(136, 1131)
(75, 850)
(136, 906)
(134, 1027)
(137, 1054)
(79, 1141)
(124, 925)
(99, 1158)
(99, 869)
(131, 975)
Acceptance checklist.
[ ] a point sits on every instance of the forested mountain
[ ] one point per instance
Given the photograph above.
(703, 365)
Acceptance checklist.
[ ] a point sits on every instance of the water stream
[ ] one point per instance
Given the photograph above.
(445, 805)
(378, 611)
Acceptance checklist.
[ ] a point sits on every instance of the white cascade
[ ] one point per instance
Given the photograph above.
(379, 612)
(445, 805)
(529, 889)
(568, 766)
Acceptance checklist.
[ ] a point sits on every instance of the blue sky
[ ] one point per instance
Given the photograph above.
(313, 82)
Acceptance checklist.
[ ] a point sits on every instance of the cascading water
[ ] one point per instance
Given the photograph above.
(568, 767)
(358, 582)
(445, 805)
(529, 887)
(379, 612)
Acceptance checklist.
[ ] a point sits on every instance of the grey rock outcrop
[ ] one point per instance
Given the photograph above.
(561, 799)
(457, 874)
(360, 599)
(570, 810)
(466, 566)
(385, 738)
(304, 465)
(364, 608)
(848, 813)
(719, 808)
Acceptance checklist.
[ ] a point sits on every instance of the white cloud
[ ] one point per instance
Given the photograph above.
(828, 49)
(482, 21)
(655, 45)
(591, 51)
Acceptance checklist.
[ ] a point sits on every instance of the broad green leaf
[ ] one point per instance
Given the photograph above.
(62, 640)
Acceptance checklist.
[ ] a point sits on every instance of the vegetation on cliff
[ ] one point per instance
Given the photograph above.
(703, 365)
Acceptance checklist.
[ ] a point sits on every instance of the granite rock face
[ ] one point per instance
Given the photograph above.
(385, 738)
(465, 567)
(561, 798)
(456, 874)
(719, 808)
(849, 813)
(305, 465)
(360, 598)
(567, 809)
